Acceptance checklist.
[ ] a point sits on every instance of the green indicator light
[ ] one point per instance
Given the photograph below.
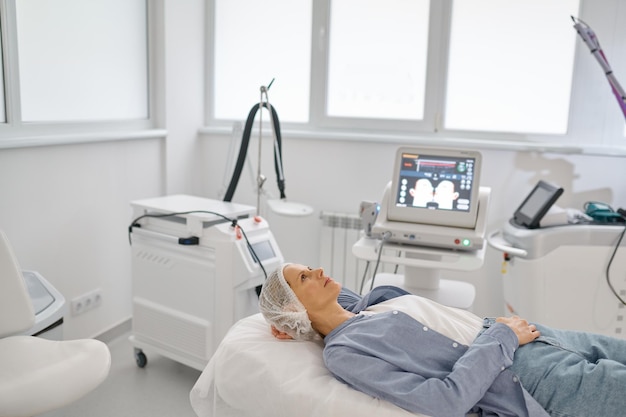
(466, 242)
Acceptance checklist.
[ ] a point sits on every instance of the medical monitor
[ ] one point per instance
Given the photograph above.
(435, 186)
(536, 205)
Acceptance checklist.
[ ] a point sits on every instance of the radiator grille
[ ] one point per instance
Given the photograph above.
(150, 256)
(339, 232)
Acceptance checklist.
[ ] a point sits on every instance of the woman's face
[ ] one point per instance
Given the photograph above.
(313, 288)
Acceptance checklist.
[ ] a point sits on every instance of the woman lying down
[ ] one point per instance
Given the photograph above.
(441, 361)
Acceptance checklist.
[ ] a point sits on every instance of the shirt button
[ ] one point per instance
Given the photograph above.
(455, 344)
(395, 311)
(515, 379)
(503, 368)
(425, 329)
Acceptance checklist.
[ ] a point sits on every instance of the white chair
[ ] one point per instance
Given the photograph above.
(36, 374)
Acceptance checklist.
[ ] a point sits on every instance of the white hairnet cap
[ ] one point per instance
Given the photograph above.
(280, 307)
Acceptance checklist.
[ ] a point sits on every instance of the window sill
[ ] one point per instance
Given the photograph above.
(517, 145)
(79, 138)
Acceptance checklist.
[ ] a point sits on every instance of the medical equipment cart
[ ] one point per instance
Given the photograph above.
(557, 275)
(423, 261)
(194, 273)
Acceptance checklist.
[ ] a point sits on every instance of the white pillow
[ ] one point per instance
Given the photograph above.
(254, 374)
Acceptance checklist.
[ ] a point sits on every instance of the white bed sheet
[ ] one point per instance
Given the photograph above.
(253, 374)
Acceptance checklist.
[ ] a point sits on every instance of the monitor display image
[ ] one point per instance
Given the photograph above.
(536, 204)
(435, 186)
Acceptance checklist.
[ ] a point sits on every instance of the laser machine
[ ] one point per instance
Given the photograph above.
(196, 267)
(432, 218)
(562, 267)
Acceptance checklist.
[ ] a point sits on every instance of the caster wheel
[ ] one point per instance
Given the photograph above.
(141, 359)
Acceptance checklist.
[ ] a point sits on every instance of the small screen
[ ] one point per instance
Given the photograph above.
(263, 250)
(535, 202)
(435, 182)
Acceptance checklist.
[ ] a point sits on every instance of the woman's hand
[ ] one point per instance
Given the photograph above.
(524, 331)
(280, 335)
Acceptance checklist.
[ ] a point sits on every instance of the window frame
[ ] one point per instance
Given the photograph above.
(580, 137)
(17, 133)
(440, 13)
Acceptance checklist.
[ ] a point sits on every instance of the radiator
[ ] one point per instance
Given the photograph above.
(339, 232)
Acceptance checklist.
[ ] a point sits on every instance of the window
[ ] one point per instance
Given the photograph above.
(72, 66)
(256, 42)
(510, 65)
(472, 69)
(370, 73)
(82, 60)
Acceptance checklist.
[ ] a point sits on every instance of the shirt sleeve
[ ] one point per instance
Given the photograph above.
(416, 377)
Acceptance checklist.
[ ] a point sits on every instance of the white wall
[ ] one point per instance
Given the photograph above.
(65, 210)
(338, 175)
(184, 92)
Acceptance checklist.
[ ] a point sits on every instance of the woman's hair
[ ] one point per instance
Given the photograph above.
(281, 307)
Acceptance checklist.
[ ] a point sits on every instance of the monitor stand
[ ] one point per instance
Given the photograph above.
(422, 270)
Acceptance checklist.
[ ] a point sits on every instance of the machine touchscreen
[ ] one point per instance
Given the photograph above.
(435, 186)
(536, 205)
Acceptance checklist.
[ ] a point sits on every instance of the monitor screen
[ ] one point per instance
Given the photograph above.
(435, 186)
(263, 250)
(536, 204)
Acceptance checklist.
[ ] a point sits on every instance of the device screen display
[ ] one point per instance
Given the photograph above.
(263, 250)
(536, 204)
(435, 182)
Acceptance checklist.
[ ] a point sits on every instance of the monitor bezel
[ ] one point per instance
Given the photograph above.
(438, 217)
(533, 221)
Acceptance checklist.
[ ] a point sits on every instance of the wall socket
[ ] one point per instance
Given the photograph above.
(86, 302)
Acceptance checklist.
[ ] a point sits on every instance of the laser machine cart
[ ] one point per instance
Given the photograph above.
(561, 269)
(194, 274)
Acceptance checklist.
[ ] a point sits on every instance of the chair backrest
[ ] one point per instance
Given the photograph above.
(16, 309)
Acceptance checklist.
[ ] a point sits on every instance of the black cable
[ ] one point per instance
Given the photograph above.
(608, 266)
(252, 251)
(367, 266)
(278, 150)
(234, 223)
(135, 224)
(395, 270)
(386, 236)
(243, 149)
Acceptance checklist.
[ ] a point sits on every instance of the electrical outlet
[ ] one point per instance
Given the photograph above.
(86, 302)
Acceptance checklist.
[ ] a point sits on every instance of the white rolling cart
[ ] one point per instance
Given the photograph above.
(194, 274)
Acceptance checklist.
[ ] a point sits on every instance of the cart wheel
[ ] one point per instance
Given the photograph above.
(140, 358)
